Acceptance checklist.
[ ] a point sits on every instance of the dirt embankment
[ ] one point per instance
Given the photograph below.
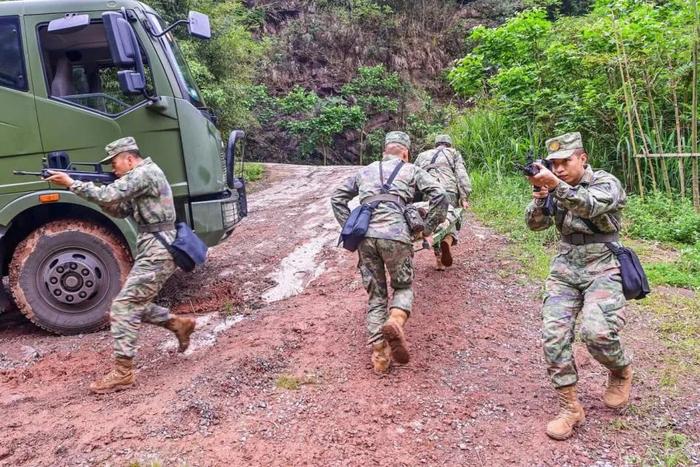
(279, 373)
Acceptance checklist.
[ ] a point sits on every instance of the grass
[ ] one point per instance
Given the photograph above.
(499, 202)
(253, 171)
(293, 383)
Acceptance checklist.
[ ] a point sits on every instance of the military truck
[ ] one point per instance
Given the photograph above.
(75, 75)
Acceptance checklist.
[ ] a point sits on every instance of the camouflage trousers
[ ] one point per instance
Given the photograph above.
(133, 304)
(377, 256)
(583, 280)
(450, 226)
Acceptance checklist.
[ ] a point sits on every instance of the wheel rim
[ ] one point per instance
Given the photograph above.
(73, 280)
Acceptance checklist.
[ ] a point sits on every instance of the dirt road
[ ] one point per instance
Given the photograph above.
(279, 373)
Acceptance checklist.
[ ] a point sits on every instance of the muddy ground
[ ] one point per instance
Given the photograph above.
(279, 373)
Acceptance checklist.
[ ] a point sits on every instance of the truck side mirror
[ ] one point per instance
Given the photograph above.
(198, 25)
(125, 52)
(71, 22)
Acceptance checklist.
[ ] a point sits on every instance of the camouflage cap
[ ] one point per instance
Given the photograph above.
(398, 137)
(564, 146)
(127, 143)
(443, 139)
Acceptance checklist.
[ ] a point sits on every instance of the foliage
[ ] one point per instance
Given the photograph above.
(550, 76)
(226, 66)
(663, 218)
(253, 172)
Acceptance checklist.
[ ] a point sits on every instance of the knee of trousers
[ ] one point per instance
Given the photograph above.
(598, 335)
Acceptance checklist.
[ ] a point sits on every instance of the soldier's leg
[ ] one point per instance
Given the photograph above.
(562, 304)
(398, 258)
(371, 268)
(134, 302)
(603, 319)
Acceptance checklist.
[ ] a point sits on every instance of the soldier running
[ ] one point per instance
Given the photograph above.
(388, 245)
(141, 191)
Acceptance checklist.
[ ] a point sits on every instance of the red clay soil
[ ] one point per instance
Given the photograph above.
(291, 383)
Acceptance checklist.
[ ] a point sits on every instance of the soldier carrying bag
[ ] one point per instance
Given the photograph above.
(635, 285)
(355, 228)
(187, 250)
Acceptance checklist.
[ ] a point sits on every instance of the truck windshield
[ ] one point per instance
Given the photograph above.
(178, 62)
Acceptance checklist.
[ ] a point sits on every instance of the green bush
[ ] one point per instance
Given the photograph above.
(663, 218)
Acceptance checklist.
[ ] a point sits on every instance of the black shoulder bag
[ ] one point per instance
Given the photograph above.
(355, 228)
(188, 250)
(635, 284)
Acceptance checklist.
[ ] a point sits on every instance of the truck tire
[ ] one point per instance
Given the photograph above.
(64, 275)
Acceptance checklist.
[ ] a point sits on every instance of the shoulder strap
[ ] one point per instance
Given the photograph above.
(160, 238)
(591, 225)
(435, 156)
(386, 186)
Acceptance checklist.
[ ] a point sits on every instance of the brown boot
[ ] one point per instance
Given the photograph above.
(121, 377)
(381, 357)
(445, 245)
(182, 327)
(570, 415)
(619, 385)
(393, 334)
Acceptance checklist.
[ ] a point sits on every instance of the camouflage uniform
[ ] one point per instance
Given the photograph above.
(388, 243)
(449, 170)
(583, 279)
(143, 193)
(449, 226)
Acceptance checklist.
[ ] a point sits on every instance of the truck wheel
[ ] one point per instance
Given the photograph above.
(64, 275)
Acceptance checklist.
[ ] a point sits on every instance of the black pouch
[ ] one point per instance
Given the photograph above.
(635, 284)
(355, 228)
(415, 222)
(188, 250)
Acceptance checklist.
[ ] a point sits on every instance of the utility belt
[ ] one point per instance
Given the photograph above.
(587, 239)
(396, 199)
(159, 227)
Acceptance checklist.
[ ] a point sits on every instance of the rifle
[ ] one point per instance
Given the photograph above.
(529, 170)
(58, 161)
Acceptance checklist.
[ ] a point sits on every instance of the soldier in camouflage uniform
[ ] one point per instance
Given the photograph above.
(388, 243)
(449, 227)
(447, 166)
(142, 192)
(584, 278)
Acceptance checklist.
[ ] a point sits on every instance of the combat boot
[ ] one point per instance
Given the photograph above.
(183, 328)
(619, 385)
(394, 335)
(381, 357)
(570, 414)
(445, 248)
(121, 377)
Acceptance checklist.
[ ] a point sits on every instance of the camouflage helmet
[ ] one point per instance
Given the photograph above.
(564, 146)
(443, 139)
(127, 143)
(398, 137)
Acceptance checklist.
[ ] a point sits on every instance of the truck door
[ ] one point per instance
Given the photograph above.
(19, 130)
(81, 108)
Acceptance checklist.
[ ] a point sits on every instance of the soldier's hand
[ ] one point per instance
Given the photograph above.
(544, 178)
(465, 204)
(542, 194)
(60, 178)
(428, 238)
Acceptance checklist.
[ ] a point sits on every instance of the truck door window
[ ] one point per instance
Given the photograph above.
(79, 70)
(12, 73)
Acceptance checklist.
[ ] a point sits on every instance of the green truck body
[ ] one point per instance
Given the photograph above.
(61, 90)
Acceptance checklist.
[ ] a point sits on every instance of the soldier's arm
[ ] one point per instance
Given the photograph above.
(598, 198)
(341, 197)
(122, 189)
(464, 184)
(535, 218)
(432, 190)
(121, 209)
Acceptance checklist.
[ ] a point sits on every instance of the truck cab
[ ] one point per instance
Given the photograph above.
(74, 76)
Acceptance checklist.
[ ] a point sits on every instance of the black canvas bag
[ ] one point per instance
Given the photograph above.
(188, 250)
(635, 284)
